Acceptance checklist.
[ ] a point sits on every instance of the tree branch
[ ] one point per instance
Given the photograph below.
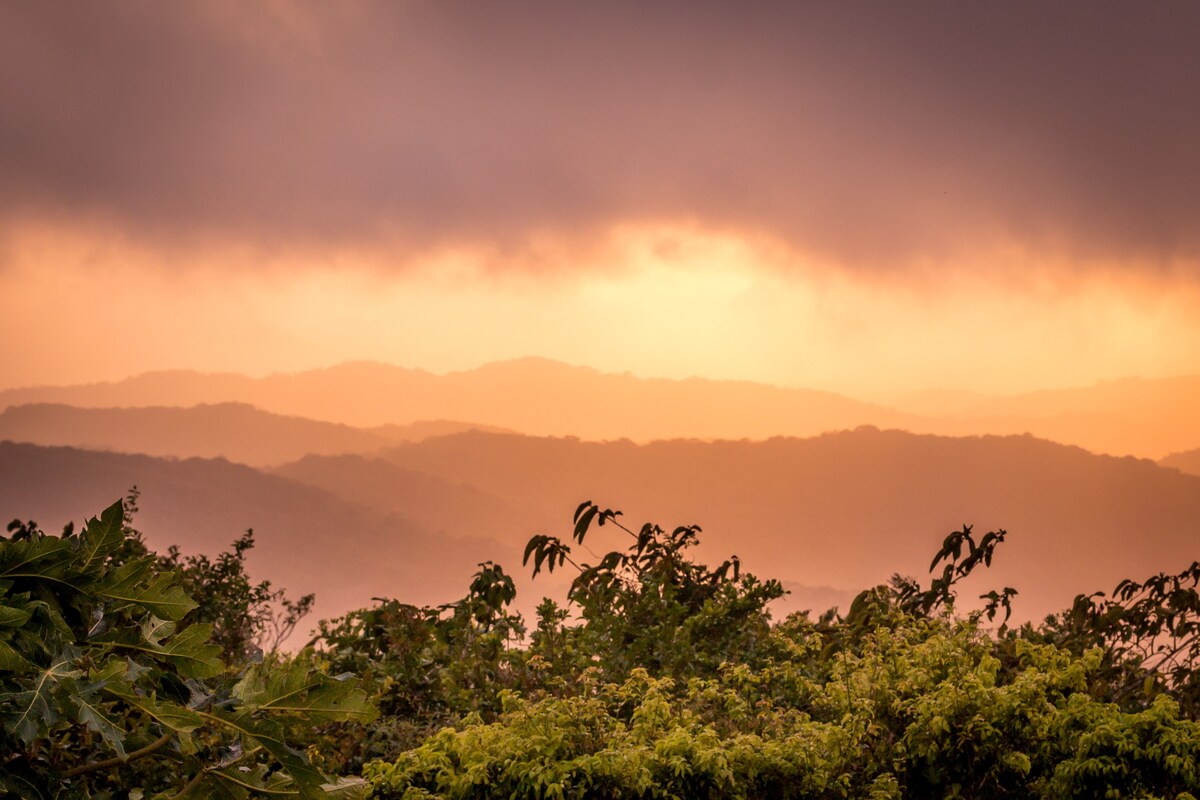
(117, 761)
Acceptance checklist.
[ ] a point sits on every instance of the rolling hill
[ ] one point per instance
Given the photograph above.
(234, 431)
(307, 540)
(845, 510)
(828, 515)
(1142, 417)
(1188, 462)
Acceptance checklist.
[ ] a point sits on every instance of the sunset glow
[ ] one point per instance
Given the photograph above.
(657, 300)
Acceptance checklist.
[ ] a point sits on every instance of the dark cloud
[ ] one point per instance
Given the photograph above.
(870, 133)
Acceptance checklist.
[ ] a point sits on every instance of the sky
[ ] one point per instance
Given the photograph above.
(865, 197)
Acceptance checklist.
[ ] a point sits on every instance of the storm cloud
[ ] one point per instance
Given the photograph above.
(872, 135)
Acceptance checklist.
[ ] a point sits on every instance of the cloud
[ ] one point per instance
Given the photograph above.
(866, 135)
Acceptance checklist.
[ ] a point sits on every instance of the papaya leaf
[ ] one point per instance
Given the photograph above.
(297, 690)
(236, 783)
(90, 713)
(270, 736)
(12, 661)
(11, 617)
(189, 651)
(31, 713)
(101, 538)
(160, 594)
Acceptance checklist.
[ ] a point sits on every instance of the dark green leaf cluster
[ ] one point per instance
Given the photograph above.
(426, 667)
(652, 606)
(106, 689)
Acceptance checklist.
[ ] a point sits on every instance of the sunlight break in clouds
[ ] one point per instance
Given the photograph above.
(668, 301)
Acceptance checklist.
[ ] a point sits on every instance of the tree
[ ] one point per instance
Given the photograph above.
(248, 618)
(651, 606)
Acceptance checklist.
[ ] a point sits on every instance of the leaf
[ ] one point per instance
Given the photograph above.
(154, 630)
(160, 595)
(583, 521)
(101, 538)
(12, 661)
(269, 734)
(189, 651)
(252, 782)
(14, 617)
(32, 714)
(296, 689)
(192, 654)
(347, 788)
(45, 558)
(93, 716)
(166, 712)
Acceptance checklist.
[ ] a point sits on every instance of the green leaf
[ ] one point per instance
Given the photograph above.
(154, 630)
(46, 558)
(94, 717)
(161, 595)
(101, 538)
(270, 735)
(32, 714)
(14, 617)
(189, 651)
(295, 689)
(347, 788)
(12, 661)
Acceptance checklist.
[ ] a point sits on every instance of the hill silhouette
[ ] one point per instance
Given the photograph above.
(235, 431)
(307, 540)
(1142, 417)
(1188, 461)
(847, 509)
(1131, 416)
(533, 396)
(827, 514)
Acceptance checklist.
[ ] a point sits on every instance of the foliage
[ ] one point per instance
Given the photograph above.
(922, 712)
(425, 667)
(248, 618)
(660, 677)
(651, 606)
(102, 682)
(642, 697)
(1149, 633)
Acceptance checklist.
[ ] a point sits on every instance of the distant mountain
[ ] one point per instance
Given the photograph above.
(1143, 417)
(434, 503)
(534, 396)
(1147, 418)
(307, 540)
(235, 431)
(428, 428)
(1188, 462)
(827, 515)
(846, 510)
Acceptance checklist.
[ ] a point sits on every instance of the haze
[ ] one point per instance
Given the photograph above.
(860, 198)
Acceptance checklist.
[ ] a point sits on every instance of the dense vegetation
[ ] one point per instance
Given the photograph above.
(123, 674)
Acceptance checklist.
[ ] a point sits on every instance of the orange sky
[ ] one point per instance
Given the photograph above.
(860, 199)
